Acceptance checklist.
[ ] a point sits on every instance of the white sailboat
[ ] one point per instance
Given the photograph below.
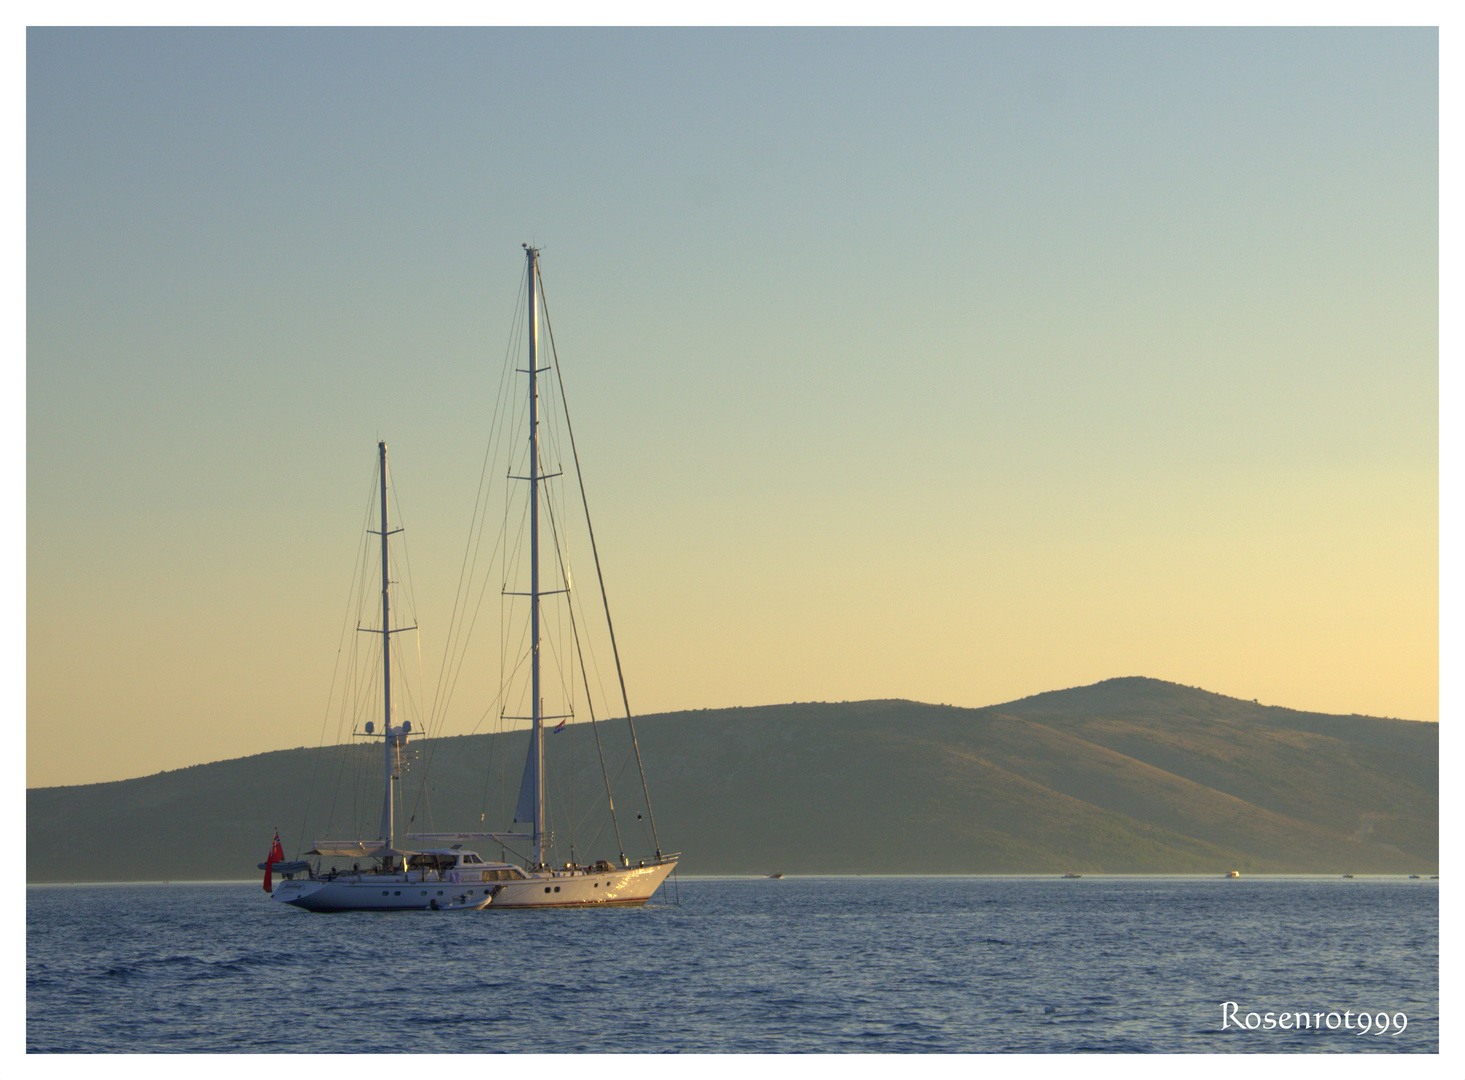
(443, 871)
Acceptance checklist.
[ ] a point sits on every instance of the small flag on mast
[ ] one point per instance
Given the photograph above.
(560, 726)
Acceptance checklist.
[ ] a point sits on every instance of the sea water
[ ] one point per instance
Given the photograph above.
(722, 965)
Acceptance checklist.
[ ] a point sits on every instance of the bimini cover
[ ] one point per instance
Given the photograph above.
(355, 849)
(297, 867)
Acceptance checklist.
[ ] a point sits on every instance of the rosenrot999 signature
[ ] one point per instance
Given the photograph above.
(1358, 1021)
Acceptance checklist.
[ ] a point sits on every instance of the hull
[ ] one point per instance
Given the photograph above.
(370, 893)
(630, 887)
(618, 888)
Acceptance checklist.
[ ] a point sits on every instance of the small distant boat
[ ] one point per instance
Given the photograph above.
(1413, 877)
(1348, 876)
(1073, 875)
(774, 877)
(1233, 873)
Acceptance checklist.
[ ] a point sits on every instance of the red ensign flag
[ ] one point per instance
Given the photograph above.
(277, 854)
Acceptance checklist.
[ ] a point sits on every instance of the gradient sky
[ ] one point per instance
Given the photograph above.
(949, 365)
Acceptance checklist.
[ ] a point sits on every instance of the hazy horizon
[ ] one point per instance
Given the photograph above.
(947, 365)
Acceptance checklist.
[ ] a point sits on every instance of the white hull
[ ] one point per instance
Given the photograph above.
(630, 887)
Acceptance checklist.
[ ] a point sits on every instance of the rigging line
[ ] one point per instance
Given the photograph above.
(419, 671)
(574, 787)
(402, 547)
(487, 779)
(488, 769)
(358, 592)
(432, 743)
(579, 823)
(505, 684)
(506, 801)
(350, 698)
(352, 706)
(442, 692)
(349, 702)
(561, 551)
(589, 698)
(368, 695)
(335, 673)
(583, 647)
(497, 698)
(578, 601)
(556, 648)
(595, 551)
(505, 606)
(465, 571)
(457, 661)
(556, 659)
(595, 836)
(410, 704)
(621, 768)
(464, 635)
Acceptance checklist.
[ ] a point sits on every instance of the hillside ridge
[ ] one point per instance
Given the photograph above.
(1068, 694)
(1127, 775)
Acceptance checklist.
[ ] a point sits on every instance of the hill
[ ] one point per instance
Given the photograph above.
(1126, 776)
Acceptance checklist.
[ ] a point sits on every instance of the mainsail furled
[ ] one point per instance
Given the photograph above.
(529, 786)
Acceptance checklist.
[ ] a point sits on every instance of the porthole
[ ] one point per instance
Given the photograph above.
(546, 888)
(556, 888)
(424, 892)
(439, 892)
(384, 892)
(397, 893)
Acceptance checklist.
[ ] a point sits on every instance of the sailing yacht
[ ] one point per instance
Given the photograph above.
(444, 871)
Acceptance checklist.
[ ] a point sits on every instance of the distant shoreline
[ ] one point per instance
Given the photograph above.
(1055, 876)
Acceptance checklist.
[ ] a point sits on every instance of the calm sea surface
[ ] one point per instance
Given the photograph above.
(894, 965)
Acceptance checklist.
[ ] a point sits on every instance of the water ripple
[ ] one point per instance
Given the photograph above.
(831, 965)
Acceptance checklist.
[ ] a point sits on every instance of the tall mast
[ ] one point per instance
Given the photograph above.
(388, 824)
(532, 257)
(391, 739)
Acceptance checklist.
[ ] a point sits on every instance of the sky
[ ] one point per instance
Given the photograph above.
(949, 365)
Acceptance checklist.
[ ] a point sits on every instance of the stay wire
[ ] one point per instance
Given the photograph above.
(456, 642)
(356, 572)
(595, 551)
(460, 624)
(584, 675)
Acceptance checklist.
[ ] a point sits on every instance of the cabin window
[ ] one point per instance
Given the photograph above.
(546, 888)
(556, 888)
